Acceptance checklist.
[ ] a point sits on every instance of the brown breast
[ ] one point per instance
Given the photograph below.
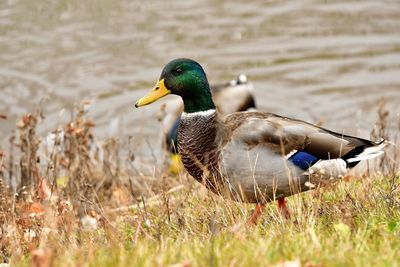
(198, 143)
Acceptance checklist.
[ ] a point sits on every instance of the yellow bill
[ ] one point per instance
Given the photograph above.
(158, 91)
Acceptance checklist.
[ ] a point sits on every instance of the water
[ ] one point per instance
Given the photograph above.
(319, 61)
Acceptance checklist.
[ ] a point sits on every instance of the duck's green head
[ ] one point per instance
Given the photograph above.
(185, 78)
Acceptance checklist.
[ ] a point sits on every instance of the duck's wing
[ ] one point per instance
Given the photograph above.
(302, 142)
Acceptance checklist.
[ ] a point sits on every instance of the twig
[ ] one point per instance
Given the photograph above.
(156, 200)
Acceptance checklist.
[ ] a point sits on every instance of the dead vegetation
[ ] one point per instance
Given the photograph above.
(68, 199)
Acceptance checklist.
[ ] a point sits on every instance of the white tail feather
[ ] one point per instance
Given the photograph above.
(370, 152)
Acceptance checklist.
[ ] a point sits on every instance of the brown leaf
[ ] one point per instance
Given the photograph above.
(26, 118)
(33, 209)
(94, 214)
(24, 223)
(70, 128)
(64, 206)
(41, 257)
(89, 124)
(24, 121)
(44, 191)
(64, 162)
(79, 131)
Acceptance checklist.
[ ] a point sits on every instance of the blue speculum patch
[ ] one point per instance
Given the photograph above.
(172, 135)
(303, 160)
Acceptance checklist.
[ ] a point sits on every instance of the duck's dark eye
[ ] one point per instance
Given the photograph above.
(178, 71)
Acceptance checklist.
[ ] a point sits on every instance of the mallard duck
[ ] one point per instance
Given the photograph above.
(253, 157)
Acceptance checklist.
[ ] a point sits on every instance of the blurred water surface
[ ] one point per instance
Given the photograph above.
(328, 61)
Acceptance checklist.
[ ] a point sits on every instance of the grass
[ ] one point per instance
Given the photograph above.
(349, 225)
(68, 213)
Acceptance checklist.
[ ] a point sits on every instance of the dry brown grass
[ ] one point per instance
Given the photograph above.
(75, 203)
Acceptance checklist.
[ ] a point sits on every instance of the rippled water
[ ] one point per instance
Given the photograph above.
(313, 60)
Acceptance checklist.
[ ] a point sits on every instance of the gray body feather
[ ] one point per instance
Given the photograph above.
(244, 156)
